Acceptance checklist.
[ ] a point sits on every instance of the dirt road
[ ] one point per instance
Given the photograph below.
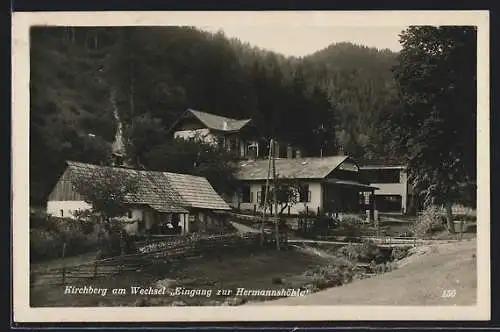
(421, 279)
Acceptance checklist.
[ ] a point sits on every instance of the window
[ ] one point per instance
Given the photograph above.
(230, 144)
(361, 198)
(62, 213)
(364, 198)
(259, 196)
(129, 214)
(304, 193)
(245, 194)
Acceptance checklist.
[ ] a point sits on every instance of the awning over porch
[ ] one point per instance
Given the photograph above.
(350, 183)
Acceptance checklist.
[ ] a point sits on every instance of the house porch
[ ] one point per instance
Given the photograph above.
(345, 196)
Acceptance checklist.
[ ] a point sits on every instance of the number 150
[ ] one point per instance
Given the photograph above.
(449, 293)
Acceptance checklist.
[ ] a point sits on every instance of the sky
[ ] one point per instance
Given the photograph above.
(304, 40)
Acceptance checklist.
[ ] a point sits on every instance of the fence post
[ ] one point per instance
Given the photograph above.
(307, 219)
(64, 264)
(462, 224)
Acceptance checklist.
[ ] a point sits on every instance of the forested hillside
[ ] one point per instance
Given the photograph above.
(79, 76)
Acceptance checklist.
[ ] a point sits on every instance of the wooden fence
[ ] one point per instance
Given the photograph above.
(148, 254)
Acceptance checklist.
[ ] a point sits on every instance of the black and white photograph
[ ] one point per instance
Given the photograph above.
(250, 165)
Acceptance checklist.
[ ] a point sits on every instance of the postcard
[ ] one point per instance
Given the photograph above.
(250, 166)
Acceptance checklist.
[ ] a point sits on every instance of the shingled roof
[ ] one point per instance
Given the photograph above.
(195, 191)
(217, 122)
(162, 191)
(297, 168)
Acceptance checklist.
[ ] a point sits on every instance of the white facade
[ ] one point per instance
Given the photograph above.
(67, 209)
(230, 143)
(399, 188)
(202, 134)
(315, 198)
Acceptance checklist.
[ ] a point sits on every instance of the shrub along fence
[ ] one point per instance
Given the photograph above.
(48, 236)
(149, 254)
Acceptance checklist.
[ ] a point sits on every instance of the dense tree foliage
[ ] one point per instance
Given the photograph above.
(360, 86)
(436, 126)
(107, 191)
(80, 76)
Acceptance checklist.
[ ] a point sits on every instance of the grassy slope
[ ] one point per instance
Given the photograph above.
(419, 281)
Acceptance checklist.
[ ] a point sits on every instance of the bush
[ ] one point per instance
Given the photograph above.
(310, 213)
(44, 244)
(111, 244)
(398, 253)
(431, 220)
(87, 226)
(380, 268)
(327, 276)
(322, 224)
(351, 226)
(365, 252)
(352, 219)
(48, 235)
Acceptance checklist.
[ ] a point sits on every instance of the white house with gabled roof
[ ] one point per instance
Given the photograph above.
(161, 198)
(236, 135)
(328, 184)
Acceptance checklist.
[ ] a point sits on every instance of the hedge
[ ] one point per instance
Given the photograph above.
(48, 235)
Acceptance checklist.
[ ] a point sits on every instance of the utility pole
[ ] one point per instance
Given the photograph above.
(265, 194)
(275, 200)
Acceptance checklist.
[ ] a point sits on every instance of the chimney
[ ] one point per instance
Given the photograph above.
(298, 154)
(224, 125)
(289, 152)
